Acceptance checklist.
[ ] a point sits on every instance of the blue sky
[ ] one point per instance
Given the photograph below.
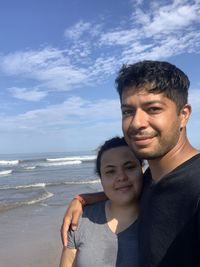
(59, 59)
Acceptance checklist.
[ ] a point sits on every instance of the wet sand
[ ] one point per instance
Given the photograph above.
(30, 237)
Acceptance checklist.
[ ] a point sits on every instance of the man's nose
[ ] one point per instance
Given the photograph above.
(139, 120)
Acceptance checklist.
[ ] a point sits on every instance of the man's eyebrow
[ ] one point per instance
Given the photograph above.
(126, 106)
(154, 102)
(149, 102)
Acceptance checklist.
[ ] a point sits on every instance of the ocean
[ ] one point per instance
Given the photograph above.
(48, 179)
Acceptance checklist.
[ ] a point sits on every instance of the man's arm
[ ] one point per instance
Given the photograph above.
(68, 257)
(75, 210)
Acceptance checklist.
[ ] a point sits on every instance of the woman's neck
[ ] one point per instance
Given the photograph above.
(119, 217)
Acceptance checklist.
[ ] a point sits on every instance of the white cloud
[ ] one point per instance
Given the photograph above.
(50, 67)
(74, 112)
(25, 62)
(54, 71)
(170, 46)
(26, 94)
(77, 30)
(171, 18)
(165, 30)
(82, 28)
(119, 37)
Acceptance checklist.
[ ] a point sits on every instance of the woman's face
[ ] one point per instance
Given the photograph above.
(121, 175)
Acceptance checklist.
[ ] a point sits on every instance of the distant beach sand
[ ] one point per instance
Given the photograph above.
(30, 237)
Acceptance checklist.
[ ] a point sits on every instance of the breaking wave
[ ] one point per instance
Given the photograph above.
(62, 163)
(76, 158)
(6, 172)
(9, 162)
(7, 206)
(23, 186)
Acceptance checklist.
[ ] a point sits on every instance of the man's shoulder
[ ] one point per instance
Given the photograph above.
(191, 166)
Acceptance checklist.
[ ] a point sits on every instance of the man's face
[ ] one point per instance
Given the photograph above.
(150, 122)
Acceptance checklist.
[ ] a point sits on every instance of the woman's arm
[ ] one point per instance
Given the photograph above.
(75, 210)
(68, 257)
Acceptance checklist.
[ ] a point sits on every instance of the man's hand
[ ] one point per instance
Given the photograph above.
(75, 210)
(71, 219)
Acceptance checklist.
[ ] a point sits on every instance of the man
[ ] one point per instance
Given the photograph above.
(155, 112)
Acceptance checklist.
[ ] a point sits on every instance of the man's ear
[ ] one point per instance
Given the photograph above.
(185, 115)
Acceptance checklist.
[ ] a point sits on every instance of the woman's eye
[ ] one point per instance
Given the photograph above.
(110, 172)
(130, 167)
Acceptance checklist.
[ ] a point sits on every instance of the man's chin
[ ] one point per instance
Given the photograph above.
(144, 154)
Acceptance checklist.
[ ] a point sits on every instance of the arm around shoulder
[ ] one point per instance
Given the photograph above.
(93, 197)
(75, 210)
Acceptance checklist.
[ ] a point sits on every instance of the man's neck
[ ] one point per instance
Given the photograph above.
(179, 154)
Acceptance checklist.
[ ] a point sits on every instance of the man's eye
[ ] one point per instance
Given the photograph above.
(127, 112)
(154, 109)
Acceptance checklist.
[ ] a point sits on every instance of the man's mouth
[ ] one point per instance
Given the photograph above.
(142, 140)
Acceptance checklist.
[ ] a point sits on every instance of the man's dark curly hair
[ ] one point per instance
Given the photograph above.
(162, 77)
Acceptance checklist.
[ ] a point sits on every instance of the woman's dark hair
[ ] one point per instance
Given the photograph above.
(109, 144)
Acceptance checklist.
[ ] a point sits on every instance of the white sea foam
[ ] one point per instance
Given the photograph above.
(61, 163)
(42, 197)
(9, 162)
(76, 158)
(30, 168)
(39, 199)
(84, 182)
(31, 185)
(23, 186)
(5, 173)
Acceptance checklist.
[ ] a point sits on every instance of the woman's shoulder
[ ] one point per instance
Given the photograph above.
(95, 212)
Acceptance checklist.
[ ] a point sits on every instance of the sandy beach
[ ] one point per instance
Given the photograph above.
(30, 237)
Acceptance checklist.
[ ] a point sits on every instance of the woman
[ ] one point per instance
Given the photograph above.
(107, 231)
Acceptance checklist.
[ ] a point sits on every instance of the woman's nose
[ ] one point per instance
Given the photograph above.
(122, 176)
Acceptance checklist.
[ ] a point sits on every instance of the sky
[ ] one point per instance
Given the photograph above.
(59, 60)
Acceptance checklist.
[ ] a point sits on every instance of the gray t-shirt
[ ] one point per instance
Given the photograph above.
(98, 246)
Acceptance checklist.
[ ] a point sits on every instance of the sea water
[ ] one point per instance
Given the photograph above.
(48, 179)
